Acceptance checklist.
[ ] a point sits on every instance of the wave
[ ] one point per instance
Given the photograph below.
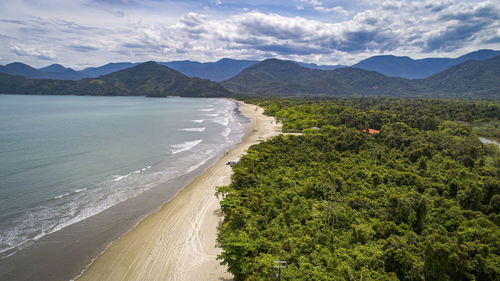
(226, 132)
(69, 193)
(117, 178)
(206, 109)
(224, 121)
(192, 129)
(198, 121)
(211, 114)
(61, 196)
(44, 220)
(177, 148)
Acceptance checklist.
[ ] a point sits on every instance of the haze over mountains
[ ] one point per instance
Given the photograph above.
(224, 69)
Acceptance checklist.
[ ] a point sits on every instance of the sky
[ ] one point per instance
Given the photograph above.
(83, 33)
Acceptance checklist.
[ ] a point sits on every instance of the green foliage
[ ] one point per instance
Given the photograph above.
(418, 201)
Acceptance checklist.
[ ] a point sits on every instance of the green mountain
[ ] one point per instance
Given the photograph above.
(478, 79)
(286, 78)
(481, 78)
(147, 79)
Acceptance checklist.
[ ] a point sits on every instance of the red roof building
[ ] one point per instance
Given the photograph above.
(371, 132)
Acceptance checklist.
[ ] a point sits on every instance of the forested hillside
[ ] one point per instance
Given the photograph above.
(272, 77)
(146, 79)
(419, 200)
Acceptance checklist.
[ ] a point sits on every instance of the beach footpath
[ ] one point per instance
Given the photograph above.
(178, 242)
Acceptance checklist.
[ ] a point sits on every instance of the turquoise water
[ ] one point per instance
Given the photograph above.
(66, 158)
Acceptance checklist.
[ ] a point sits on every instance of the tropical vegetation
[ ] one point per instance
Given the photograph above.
(417, 199)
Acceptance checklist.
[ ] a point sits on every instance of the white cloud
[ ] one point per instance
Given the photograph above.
(321, 7)
(415, 28)
(22, 50)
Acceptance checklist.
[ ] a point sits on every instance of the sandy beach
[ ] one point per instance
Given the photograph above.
(178, 242)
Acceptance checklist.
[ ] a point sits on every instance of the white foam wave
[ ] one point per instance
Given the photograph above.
(177, 148)
(198, 121)
(206, 109)
(61, 196)
(224, 121)
(117, 178)
(39, 235)
(226, 132)
(80, 190)
(192, 129)
(211, 114)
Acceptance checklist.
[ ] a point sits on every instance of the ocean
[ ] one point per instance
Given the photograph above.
(68, 159)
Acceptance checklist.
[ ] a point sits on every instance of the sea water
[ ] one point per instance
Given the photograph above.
(64, 159)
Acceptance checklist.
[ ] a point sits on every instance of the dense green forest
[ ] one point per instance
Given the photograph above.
(420, 200)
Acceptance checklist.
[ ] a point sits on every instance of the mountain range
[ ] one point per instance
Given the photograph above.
(146, 79)
(271, 77)
(470, 79)
(224, 69)
(409, 68)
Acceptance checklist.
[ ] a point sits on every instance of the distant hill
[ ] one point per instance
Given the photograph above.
(215, 71)
(224, 69)
(147, 79)
(322, 67)
(55, 68)
(93, 72)
(57, 71)
(18, 68)
(54, 71)
(472, 79)
(406, 67)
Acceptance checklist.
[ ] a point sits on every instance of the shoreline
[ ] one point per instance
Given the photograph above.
(66, 253)
(178, 241)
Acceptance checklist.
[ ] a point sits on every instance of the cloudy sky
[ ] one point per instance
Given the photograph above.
(81, 33)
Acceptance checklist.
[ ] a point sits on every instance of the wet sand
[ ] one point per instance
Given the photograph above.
(178, 242)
